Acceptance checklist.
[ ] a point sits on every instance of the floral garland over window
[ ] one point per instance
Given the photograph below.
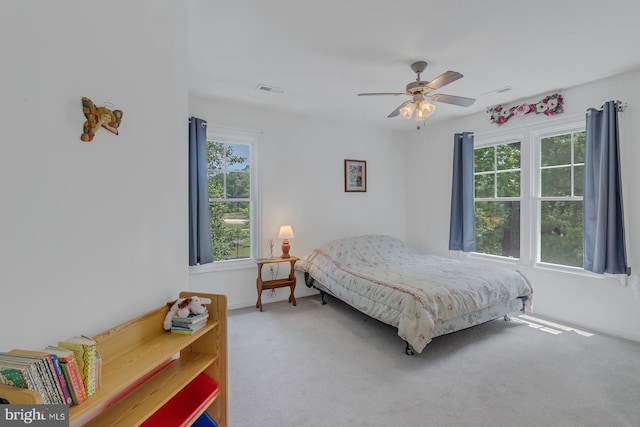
(549, 106)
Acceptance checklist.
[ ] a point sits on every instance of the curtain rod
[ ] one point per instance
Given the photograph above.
(620, 106)
(204, 122)
(238, 129)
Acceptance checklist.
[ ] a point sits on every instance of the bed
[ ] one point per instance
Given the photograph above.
(423, 296)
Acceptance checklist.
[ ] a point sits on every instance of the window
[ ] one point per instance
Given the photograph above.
(497, 199)
(561, 182)
(231, 197)
(528, 196)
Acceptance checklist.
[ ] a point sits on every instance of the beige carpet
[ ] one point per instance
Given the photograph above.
(315, 365)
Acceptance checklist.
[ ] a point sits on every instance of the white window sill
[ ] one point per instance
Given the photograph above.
(515, 263)
(239, 264)
(492, 258)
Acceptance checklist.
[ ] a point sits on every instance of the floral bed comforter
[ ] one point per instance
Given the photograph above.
(388, 280)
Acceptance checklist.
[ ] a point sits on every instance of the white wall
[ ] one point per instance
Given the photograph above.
(94, 233)
(301, 167)
(599, 303)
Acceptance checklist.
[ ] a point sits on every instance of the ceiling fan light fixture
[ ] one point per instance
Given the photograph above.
(424, 110)
(407, 110)
(421, 89)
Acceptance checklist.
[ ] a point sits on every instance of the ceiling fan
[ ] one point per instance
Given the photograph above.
(420, 91)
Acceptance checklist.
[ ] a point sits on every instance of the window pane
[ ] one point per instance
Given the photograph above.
(556, 182)
(230, 230)
(216, 185)
(578, 177)
(561, 232)
(508, 156)
(484, 185)
(498, 228)
(556, 150)
(215, 156)
(229, 176)
(508, 184)
(238, 185)
(483, 159)
(238, 157)
(578, 147)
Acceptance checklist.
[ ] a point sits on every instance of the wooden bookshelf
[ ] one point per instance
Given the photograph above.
(20, 396)
(144, 366)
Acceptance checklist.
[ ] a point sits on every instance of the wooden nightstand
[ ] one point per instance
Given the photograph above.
(277, 283)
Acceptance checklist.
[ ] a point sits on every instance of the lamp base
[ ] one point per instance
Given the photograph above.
(285, 248)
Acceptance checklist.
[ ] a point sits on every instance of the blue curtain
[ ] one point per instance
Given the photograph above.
(462, 227)
(602, 216)
(200, 249)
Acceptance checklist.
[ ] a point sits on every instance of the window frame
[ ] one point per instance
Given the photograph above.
(495, 197)
(537, 197)
(530, 189)
(252, 139)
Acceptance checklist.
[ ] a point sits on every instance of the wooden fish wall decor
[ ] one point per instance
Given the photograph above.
(98, 117)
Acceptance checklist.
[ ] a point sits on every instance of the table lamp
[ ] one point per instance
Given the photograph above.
(285, 234)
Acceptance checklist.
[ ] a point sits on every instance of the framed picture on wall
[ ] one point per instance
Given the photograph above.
(355, 175)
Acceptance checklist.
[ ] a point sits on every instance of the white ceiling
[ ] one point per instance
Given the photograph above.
(324, 52)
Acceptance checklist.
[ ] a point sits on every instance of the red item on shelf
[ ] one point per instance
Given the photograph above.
(182, 408)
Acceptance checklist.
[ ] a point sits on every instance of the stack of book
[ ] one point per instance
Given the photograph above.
(36, 370)
(88, 361)
(70, 371)
(190, 324)
(63, 375)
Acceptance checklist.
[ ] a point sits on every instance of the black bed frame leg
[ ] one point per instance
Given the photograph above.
(322, 297)
(408, 350)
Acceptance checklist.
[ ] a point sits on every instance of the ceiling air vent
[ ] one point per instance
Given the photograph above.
(267, 88)
(504, 89)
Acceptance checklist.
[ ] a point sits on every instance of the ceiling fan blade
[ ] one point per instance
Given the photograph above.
(452, 99)
(397, 110)
(381, 93)
(444, 79)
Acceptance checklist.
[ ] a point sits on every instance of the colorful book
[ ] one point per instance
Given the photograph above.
(191, 319)
(48, 370)
(30, 366)
(98, 370)
(73, 389)
(98, 365)
(24, 372)
(71, 372)
(85, 351)
(190, 324)
(63, 382)
(187, 329)
(12, 376)
(182, 331)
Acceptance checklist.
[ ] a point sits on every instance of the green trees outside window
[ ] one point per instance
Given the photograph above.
(557, 189)
(561, 185)
(229, 175)
(497, 192)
